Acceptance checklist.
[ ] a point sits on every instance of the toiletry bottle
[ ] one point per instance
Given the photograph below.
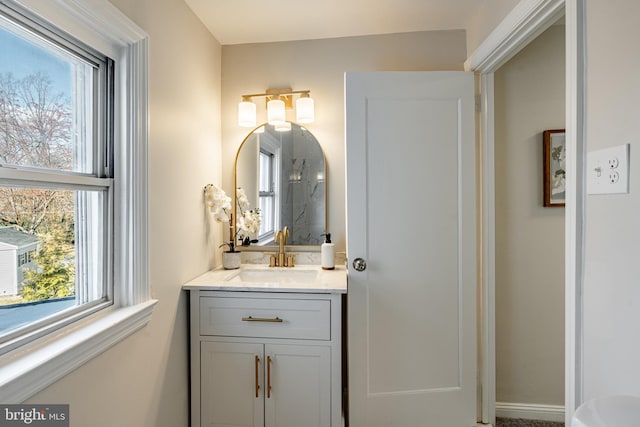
(328, 253)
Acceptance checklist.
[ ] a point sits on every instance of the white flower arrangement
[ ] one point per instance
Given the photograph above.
(249, 223)
(243, 200)
(220, 206)
(218, 201)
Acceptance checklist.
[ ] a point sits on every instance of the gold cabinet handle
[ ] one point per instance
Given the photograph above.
(262, 319)
(257, 381)
(268, 377)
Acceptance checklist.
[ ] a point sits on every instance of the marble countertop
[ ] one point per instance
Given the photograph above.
(262, 278)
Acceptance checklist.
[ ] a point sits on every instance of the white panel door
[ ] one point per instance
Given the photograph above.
(300, 381)
(411, 215)
(232, 384)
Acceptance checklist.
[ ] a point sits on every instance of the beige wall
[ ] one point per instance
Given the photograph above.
(529, 92)
(612, 267)
(143, 381)
(319, 65)
(485, 20)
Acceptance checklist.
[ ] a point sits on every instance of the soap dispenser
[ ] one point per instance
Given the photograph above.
(328, 253)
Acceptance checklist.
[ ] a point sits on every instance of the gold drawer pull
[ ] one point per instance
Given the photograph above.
(262, 319)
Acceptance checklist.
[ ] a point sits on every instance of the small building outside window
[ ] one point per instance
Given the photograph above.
(17, 249)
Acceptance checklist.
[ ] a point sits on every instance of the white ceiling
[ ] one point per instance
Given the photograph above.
(255, 21)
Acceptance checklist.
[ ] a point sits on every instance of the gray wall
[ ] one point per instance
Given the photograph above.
(529, 98)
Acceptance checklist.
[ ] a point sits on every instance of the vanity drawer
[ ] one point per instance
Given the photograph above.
(266, 317)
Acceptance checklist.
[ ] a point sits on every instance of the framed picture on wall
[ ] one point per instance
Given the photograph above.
(555, 156)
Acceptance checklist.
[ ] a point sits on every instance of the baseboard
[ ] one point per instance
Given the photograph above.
(530, 411)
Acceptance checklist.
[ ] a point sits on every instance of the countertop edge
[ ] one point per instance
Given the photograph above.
(215, 284)
(258, 288)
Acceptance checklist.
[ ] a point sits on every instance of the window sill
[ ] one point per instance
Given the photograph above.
(25, 372)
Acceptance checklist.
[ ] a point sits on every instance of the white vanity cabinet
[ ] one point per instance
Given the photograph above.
(269, 359)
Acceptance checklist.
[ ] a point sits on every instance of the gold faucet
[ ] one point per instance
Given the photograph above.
(281, 238)
(277, 259)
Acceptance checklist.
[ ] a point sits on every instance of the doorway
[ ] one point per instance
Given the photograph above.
(526, 21)
(529, 95)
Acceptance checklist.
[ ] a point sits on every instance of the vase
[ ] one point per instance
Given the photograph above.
(231, 260)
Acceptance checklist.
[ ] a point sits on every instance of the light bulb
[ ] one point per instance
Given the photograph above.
(247, 114)
(304, 110)
(275, 112)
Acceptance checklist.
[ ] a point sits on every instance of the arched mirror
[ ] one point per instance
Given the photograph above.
(283, 173)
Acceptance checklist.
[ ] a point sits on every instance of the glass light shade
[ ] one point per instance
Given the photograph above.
(247, 114)
(283, 127)
(259, 130)
(275, 112)
(304, 110)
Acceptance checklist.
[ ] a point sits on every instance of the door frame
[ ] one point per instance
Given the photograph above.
(527, 20)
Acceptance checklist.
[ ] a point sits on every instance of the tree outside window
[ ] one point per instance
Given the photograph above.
(35, 130)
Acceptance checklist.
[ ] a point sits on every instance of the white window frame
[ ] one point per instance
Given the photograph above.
(271, 193)
(34, 366)
(274, 147)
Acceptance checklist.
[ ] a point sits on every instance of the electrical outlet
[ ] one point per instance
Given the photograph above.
(614, 177)
(608, 170)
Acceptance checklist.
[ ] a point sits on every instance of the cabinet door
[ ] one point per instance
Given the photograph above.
(232, 379)
(298, 381)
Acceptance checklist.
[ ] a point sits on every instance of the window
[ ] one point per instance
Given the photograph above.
(267, 194)
(56, 163)
(93, 170)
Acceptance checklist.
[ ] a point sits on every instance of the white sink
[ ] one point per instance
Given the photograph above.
(274, 275)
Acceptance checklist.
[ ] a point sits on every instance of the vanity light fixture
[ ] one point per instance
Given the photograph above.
(278, 101)
(247, 113)
(304, 109)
